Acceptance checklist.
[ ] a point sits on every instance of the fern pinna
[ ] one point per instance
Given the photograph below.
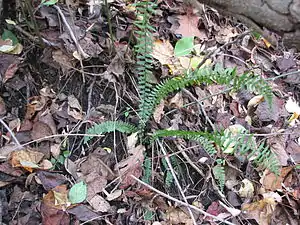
(143, 49)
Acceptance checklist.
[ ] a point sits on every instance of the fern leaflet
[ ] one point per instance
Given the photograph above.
(219, 174)
(110, 126)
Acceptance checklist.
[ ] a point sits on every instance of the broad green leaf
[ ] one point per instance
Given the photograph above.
(78, 193)
(48, 3)
(7, 34)
(184, 46)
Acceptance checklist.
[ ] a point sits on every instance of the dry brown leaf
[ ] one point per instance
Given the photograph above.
(27, 158)
(40, 130)
(177, 100)
(272, 182)
(262, 210)
(189, 27)
(53, 207)
(2, 107)
(163, 51)
(99, 204)
(132, 165)
(159, 111)
(74, 108)
(177, 216)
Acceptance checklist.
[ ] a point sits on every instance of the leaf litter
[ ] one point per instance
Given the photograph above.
(71, 84)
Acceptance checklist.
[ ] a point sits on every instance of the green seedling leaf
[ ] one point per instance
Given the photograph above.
(7, 34)
(184, 46)
(78, 193)
(66, 153)
(49, 3)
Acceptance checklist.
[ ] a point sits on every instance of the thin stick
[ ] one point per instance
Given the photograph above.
(11, 133)
(181, 202)
(176, 180)
(79, 48)
(52, 136)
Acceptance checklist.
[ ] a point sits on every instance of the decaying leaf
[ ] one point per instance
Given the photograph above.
(188, 27)
(262, 210)
(132, 165)
(27, 158)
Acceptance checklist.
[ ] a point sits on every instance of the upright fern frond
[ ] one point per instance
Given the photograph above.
(110, 126)
(243, 145)
(143, 48)
(208, 76)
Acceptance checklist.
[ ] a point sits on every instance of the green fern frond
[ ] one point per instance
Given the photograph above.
(243, 144)
(261, 155)
(201, 137)
(219, 174)
(110, 126)
(147, 170)
(143, 49)
(208, 76)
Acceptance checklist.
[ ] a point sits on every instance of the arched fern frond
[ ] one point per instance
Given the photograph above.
(241, 144)
(110, 126)
(206, 75)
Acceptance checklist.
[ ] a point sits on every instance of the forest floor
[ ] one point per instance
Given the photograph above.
(68, 66)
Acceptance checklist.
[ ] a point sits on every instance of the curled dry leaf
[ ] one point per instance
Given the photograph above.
(188, 27)
(262, 210)
(74, 108)
(159, 111)
(132, 165)
(247, 189)
(272, 182)
(27, 158)
(2, 107)
(99, 204)
(53, 207)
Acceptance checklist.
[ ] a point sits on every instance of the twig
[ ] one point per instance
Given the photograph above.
(53, 136)
(201, 107)
(176, 180)
(181, 202)
(109, 24)
(79, 48)
(19, 146)
(187, 158)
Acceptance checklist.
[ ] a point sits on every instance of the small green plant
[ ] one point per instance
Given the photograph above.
(151, 95)
(48, 2)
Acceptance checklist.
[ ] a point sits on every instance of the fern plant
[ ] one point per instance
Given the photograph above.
(151, 95)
